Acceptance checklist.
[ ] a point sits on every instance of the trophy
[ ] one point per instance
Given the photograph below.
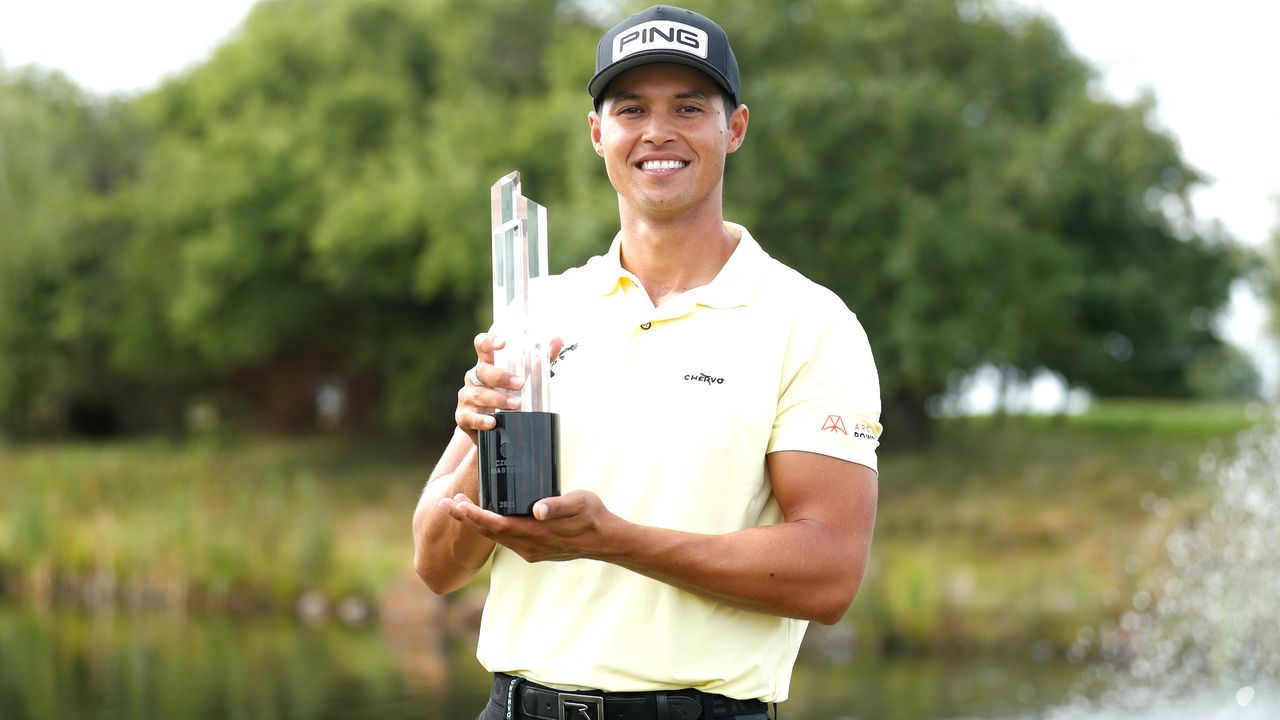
(519, 458)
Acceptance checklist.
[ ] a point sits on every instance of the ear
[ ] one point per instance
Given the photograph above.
(738, 127)
(593, 119)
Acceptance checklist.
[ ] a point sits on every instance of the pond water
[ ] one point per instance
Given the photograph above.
(1202, 637)
(143, 667)
(173, 667)
(1201, 642)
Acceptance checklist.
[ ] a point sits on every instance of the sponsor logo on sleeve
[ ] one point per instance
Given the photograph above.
(660, 35)
(861, 429)
(865, 431)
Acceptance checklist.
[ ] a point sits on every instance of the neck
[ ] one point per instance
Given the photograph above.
(673, 256)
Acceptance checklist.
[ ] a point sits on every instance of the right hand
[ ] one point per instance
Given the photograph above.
(498, 389)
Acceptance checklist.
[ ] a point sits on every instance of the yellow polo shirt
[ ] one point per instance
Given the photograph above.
(667, 414)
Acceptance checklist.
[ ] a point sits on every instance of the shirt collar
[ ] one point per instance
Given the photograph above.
(733, 286)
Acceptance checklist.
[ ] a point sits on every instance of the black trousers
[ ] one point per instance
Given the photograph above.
(711, 707)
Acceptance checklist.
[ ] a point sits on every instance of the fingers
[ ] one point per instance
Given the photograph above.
(460, 507)
(487, 377)
(562, 528)
(480, 383)
(486, 344)
(464, 510)
(486, 373)
(486, 388)
(457, 506)
(476, 405)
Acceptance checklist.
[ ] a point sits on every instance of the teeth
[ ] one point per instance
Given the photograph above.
(662, 165)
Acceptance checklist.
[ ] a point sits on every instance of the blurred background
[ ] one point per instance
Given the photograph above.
(244, 248)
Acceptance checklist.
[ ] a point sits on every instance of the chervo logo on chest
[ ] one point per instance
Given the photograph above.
(703, 377)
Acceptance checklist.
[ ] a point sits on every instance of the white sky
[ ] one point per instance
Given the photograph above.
(1212, 67)
(116, 45)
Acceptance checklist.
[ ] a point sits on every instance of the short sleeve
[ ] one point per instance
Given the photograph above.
(829, 402)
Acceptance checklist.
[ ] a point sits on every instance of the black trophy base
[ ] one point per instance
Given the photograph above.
(519, 462)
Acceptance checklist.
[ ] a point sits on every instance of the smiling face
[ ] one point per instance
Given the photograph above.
(664, 135)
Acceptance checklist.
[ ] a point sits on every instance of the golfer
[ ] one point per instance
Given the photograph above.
(719, 420)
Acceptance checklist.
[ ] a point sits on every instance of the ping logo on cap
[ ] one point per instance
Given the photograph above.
(660, 35)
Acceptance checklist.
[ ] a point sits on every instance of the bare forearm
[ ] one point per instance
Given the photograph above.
(809, 566)
(795, 569)
(446, 554)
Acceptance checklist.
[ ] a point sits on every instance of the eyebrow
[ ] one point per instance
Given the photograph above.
(693, 95)
(686, 95)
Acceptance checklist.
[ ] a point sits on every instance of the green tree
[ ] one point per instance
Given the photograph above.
(312, 201)
(318, 189)
(948, 171)
(1265, 278)
(62, 153)
(1227, 374)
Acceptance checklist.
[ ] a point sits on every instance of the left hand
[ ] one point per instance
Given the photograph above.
(568, 527)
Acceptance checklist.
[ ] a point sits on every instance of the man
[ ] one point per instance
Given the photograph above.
(719, 420)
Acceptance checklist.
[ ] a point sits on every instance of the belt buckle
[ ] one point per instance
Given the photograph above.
(574, 707)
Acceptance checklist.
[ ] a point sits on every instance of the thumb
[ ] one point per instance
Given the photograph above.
(554, 507)
(545, 509)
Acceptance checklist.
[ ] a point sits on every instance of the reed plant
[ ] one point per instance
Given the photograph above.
(153, 523)
(1024, 532)
(1014, 532)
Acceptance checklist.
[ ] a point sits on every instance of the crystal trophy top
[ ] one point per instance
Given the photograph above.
(520, 455)
(519, 257)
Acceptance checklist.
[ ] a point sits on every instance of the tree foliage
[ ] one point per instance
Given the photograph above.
(62, 153)
(313, 202)
(950, 173)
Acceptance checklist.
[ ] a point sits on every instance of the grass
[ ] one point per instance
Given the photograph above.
(1004, 533)
(1166, 419)
(1016, 531)
(255, 524)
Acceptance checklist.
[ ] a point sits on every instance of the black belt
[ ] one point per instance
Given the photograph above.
(543, 703)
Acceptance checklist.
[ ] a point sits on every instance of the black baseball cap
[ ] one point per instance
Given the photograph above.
(665, 34)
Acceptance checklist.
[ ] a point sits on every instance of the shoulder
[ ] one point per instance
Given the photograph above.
(829, 391)
(810, 308)
(783, 283)
(781, 286)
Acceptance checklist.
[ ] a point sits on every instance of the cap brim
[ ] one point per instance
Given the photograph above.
(601, 81)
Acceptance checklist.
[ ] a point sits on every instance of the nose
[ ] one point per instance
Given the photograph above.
(658, 129)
